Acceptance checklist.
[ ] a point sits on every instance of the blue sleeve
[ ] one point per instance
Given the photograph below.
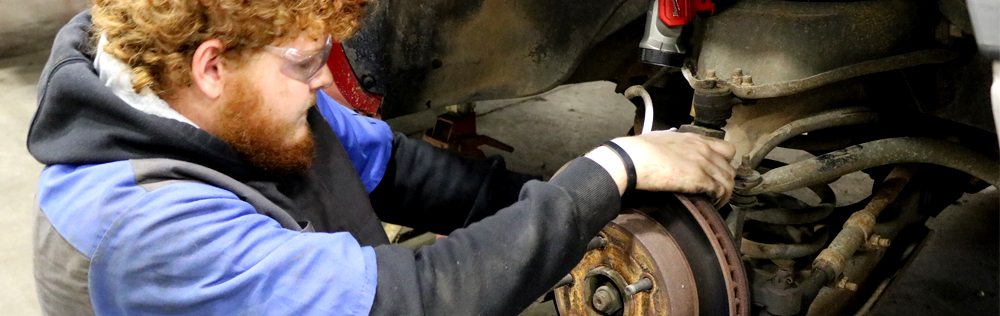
(193, 249)
(368, 141)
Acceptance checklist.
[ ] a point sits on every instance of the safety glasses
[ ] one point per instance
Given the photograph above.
(302, 65)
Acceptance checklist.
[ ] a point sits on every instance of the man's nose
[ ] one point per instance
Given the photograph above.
(322, 79)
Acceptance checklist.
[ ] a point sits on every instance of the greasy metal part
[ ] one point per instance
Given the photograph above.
(734, 222)
(606, 299)
(790, 216)
(827, 119)
(597, 242)
(704, 131)
(637, 248)
(726, 252)
(779, 208)
(601, 285)
(876, 242)
(744, 90)
(905, 212)
(833, 260)
(845, 284)
(751, 123)
(830, 166)
(880, 290)
(779, 295)
(759, 250)
(643, 285)
(768, 40)
(566, 280)
(695, 268)
(858, 227)
(745, 177)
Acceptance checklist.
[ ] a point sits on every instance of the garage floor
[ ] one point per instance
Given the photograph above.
(954, 274)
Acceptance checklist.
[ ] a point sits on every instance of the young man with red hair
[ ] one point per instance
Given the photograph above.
(188, 172)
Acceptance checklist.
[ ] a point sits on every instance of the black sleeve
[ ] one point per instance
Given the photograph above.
(502, 263)
(437, 190)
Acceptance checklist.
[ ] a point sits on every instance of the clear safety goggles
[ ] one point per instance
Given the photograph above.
(302, 65)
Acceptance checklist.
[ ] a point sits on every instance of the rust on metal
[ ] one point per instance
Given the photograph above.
(642, 258)
(830, 166)
(725, 250)
(457, 131)
(830, 260)
(744, 90)
(858, 227)
(755, 249)
(636, 248)
(822, 120)
(846, 284)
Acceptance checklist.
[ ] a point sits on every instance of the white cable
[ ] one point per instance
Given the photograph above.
(639, 91)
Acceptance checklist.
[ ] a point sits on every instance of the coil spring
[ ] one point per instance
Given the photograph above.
(782, 226)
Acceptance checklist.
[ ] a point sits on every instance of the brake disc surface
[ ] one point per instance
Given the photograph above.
(674, 251)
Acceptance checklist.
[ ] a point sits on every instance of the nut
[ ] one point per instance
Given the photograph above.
(876, 242)
(846, 284)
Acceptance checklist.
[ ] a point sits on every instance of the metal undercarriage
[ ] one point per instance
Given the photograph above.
(848, 101)
(895, 89)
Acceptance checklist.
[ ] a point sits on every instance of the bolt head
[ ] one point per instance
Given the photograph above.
(367, 82)
(711, 75)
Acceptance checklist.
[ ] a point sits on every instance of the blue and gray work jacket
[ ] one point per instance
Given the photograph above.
(143, 215)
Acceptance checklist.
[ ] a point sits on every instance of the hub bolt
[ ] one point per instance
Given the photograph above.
(598, 242)
(606, 299)
(566, 280)
(641, 286)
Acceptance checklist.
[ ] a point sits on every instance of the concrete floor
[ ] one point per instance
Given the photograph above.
(18, 82)
(954, 274)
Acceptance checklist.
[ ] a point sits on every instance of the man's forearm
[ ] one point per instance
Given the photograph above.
(437, 190)
(499, 265)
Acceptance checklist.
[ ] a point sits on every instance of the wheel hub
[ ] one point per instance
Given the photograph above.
(659, 259)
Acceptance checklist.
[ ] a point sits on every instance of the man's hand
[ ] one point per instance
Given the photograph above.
(675, 162)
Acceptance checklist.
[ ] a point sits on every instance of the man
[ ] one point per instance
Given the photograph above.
(188, 174)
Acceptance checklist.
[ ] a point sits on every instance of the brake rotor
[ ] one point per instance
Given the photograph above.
(666, 254)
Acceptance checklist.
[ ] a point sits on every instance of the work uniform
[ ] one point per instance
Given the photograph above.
(140, 212)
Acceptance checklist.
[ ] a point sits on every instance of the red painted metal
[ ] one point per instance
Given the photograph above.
(681, 12)
(347, 83)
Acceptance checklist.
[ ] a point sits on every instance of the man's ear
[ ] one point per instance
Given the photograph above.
(207, 68)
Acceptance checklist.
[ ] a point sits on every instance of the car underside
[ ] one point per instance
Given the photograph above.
(896, 89)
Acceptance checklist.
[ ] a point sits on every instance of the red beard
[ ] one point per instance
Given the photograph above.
(259, 138)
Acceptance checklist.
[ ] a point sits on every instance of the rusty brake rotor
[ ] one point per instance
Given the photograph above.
(666, 254)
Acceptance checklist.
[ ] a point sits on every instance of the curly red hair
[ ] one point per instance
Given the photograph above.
(158, 38)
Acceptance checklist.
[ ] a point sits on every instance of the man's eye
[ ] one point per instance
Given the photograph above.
(303, 65)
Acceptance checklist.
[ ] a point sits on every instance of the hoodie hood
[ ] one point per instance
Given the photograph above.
(80, 121)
